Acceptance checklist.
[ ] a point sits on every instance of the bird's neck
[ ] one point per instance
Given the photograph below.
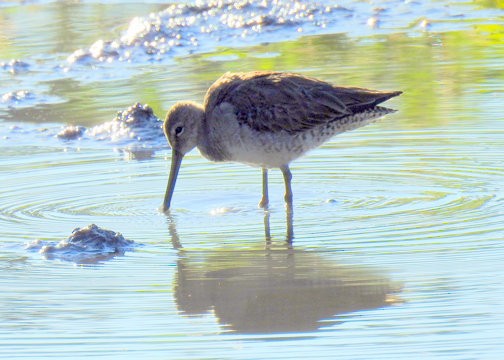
(208, 145)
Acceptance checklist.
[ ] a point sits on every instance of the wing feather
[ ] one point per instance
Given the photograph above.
(274, 101)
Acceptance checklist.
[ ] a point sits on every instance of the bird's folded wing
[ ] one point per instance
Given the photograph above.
(270, 101)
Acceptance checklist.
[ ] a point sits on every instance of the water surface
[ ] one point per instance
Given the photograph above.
(398, 231)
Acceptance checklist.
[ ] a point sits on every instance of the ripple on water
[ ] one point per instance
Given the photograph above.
(400, 185)
(422, 187)
(59, 190)
(69, 175)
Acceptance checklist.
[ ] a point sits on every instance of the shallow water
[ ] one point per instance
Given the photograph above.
(398, 229)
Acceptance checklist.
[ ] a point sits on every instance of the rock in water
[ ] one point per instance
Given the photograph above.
(90, 244)
(71, 132)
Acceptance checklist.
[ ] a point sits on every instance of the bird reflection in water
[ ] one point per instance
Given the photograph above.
(274, 289)
(289, 221)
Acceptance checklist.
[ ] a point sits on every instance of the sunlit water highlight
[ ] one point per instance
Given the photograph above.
(398, 226)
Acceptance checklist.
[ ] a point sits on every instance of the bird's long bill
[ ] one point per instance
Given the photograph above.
(175, 166)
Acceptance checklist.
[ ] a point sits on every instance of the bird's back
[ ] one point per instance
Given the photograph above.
(275, 101)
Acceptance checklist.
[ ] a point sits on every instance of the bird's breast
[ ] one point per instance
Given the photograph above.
(265, 148)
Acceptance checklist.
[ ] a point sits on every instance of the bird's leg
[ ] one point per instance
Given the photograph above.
(265, 199)
(288, 203)
(288, 189)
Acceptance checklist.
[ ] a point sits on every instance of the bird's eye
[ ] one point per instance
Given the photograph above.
(179, 130)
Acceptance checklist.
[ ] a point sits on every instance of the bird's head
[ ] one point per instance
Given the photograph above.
(181, 128)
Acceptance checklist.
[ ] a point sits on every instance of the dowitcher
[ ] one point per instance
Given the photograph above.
(266, 119)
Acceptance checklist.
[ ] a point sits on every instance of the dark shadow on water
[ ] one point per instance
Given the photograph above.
(274, 289)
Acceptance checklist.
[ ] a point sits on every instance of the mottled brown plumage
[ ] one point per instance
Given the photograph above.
(264, 100)
(267, 119)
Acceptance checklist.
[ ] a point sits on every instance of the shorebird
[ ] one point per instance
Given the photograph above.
(266, 119)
